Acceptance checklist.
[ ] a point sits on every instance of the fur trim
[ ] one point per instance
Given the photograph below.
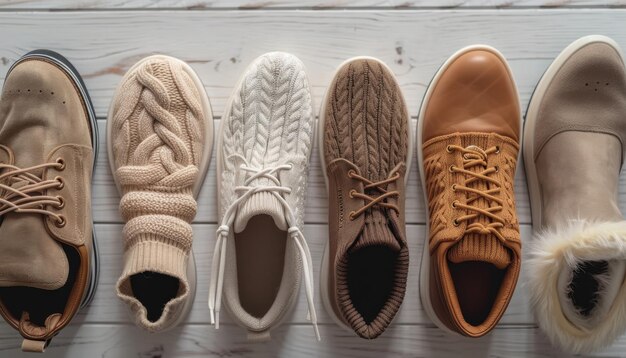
(555, 254)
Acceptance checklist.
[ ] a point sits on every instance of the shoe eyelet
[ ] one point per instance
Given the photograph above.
(61, 162)
(453, 187)
(351, 193)
(351, 173)
(455, 222)
(451, 169)
(60, 223)
(497, 168)
(497, 149)
(61, 204)
(449, 148)
(61, 182)
(454, 204)
(351, 215)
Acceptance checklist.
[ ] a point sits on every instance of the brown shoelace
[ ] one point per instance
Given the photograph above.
(28, 198)
(371, 200)
(474, 156)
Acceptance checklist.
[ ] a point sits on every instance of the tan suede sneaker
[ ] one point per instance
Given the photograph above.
(366, 151)
(468, 141)
(48, 142)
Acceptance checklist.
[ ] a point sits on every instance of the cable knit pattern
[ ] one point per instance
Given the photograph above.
(366, 119)
(269, 124)
(436, 188)
(440, 184)
(158, 137)
(366, 123)
(270, 121)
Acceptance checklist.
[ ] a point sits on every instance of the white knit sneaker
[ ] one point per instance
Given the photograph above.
(263, 156)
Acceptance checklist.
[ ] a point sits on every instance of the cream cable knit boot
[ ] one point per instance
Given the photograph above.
(160, 131)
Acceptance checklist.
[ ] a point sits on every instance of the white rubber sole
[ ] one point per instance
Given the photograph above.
(203, 169)
(320, 137)
(425, 263)
(532, 111)
(220, 160)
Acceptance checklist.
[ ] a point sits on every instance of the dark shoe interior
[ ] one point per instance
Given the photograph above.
(154, 290)
(477, 285)
(371, 276)
(39, 303)
(260, 263)
(584, 288)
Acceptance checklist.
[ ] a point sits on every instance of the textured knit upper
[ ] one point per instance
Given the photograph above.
(158, 136)
(270, 122)
(366, 124)
(471, 245)
(366, 119)
(268, 130)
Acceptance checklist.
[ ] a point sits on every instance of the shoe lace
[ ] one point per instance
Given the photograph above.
(219, 256)
(474, 156)
(28, 198)
(369, 186)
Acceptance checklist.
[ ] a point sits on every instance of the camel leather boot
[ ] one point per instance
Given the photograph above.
(468, 141)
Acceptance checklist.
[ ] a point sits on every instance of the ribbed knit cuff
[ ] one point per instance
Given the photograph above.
(261, 203)
(151, 255)
(376, 232)
(155, 256)
(474, 247)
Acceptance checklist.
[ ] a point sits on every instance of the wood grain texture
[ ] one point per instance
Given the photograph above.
(219, 45)
(302, 4)
(123, 341)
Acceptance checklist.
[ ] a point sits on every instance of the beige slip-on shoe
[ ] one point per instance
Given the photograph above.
(159, 139)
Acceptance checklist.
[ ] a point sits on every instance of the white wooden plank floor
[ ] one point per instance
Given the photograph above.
(219, 40)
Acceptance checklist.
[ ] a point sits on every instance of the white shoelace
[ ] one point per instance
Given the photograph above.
(219, 256)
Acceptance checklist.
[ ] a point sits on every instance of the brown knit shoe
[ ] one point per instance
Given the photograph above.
(365, 152)
(159, 136)
(468, 142)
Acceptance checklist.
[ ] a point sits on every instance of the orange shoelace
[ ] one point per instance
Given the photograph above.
(474, 156)
(28, 197)
(371, 200)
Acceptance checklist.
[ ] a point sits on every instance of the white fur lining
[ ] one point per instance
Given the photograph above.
(558, 252)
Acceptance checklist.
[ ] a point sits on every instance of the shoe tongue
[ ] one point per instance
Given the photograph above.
(261, 203)
(376, 232)
(29, 256)
(474, 246)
